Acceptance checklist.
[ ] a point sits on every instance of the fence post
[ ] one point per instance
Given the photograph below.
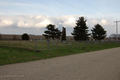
(8, 42)
(48, 44)
(42, 44)
(20, 43)
(36, 45)
(57, 44)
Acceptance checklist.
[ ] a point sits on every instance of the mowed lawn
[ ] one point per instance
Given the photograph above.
(23, 51)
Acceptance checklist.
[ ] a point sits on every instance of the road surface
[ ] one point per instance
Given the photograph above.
(97, 65)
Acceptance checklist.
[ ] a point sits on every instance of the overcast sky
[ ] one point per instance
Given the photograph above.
(32, 16)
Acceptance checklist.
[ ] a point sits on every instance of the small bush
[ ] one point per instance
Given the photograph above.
(25, 36)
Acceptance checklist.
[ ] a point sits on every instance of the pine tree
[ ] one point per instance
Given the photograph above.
(51, 32)
(98, 32)
(64, 34)
(80, 31)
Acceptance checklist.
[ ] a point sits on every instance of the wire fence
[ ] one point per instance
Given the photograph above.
(40, 45)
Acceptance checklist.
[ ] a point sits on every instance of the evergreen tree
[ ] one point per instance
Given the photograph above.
(98, 32)
(63, 34)
(51, 32)
(80, 31)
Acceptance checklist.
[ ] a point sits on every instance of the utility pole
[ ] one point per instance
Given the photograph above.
(116, 26)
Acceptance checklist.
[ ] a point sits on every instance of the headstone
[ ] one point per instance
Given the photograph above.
(41, 39)
(48, 41)
(102, 41)
(69, 43)
(64, 41)
(96, 42)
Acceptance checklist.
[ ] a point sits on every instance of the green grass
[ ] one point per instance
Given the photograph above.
(10, 55)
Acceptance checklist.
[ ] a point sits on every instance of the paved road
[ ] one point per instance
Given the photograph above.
(98, 65)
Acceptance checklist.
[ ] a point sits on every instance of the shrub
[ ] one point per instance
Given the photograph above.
(25, 36)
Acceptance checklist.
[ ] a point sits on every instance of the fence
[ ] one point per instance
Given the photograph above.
(39, 45)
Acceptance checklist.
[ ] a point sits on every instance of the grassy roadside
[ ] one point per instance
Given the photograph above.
(10, 55)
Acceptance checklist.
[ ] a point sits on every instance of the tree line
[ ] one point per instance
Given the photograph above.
(80, 31)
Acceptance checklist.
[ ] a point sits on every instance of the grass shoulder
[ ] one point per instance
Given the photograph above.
(10, 55)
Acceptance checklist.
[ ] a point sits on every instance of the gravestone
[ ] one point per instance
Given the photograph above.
(64, 41)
